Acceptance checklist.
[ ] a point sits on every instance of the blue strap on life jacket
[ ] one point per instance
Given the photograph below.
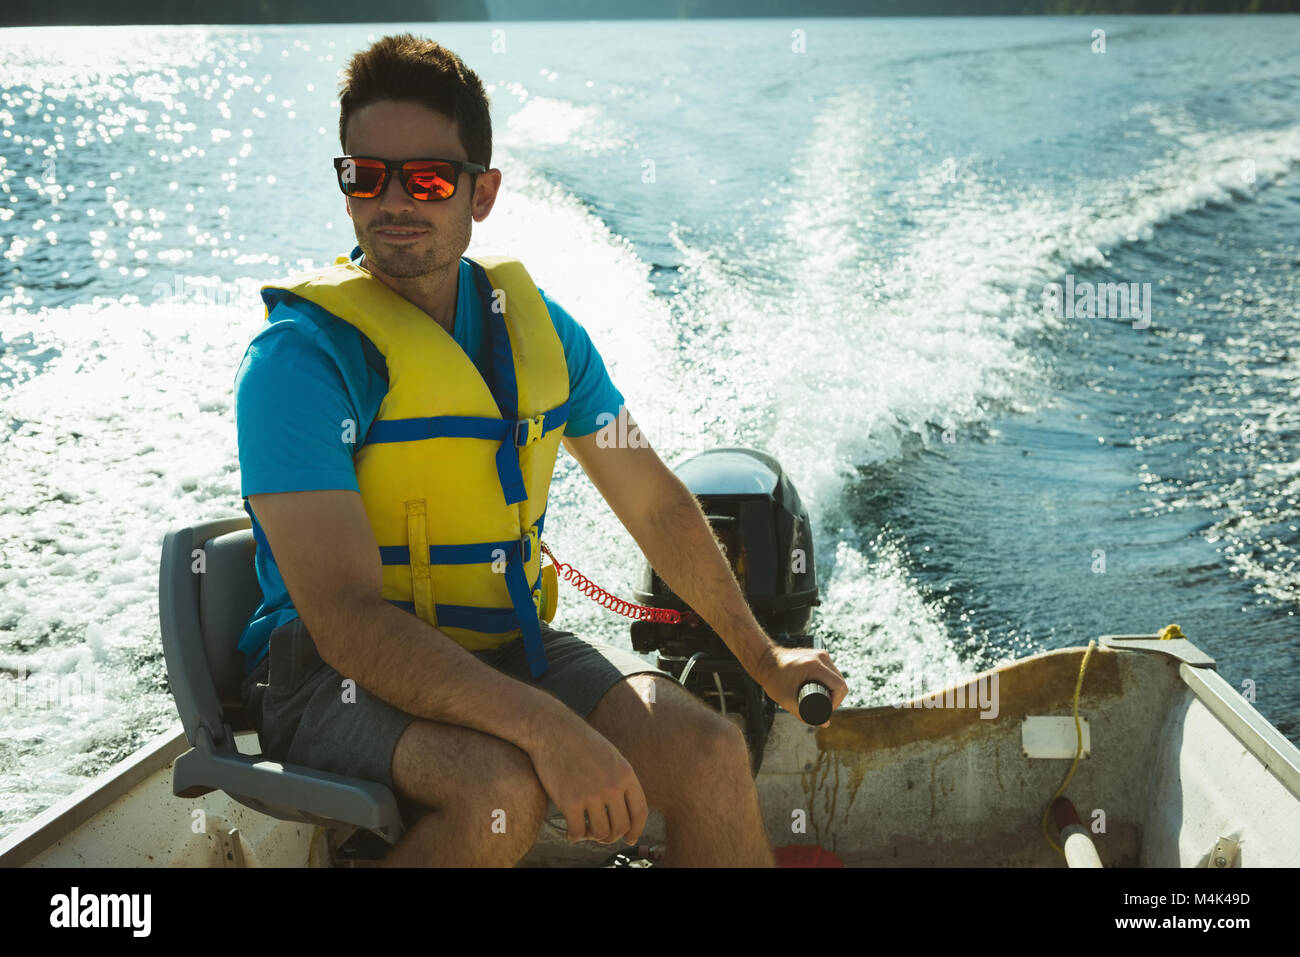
(505, 389)
(481, 552)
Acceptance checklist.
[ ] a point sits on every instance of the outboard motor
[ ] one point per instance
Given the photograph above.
(763, 528)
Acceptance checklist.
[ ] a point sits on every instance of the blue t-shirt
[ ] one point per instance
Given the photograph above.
(307, 373)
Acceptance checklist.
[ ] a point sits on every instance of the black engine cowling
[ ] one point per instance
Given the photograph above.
(763, 528)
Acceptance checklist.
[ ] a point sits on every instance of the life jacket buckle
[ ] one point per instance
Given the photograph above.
(536, 426)
(528, 544)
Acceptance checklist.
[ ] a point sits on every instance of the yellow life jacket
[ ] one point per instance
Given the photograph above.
(454, 473)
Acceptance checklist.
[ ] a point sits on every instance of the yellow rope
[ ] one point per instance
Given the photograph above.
(1078, 751)
(1169, 633)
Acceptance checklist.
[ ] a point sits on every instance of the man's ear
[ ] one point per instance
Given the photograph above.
(492, 179)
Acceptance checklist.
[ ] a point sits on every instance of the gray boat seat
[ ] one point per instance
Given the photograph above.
(207, 592)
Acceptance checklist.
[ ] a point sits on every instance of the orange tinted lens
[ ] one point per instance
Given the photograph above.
(362, 178)
(425, 180)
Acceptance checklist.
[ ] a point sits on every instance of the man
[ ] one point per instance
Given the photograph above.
(398, 489)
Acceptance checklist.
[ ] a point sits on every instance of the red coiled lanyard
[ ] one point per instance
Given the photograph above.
(665, 616)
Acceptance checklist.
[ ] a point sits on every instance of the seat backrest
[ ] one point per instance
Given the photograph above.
(228, 596)
(207, 591)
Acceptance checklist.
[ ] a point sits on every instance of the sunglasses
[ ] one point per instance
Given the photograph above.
(428, 180)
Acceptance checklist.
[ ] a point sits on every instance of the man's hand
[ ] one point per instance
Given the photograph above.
(783, 671)
(586, 775)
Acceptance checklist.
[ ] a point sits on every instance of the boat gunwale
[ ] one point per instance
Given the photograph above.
(1200, 674)
(1268, 745)
(34, 837)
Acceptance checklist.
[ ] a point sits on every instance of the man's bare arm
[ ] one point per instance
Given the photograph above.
(666, 521)
(327, 554)
(668, 524)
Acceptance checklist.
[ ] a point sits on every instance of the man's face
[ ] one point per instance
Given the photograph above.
(403, 237)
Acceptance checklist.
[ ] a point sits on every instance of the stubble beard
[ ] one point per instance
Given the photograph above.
(441, 249)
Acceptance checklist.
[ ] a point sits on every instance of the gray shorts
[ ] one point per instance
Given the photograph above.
(293, 698)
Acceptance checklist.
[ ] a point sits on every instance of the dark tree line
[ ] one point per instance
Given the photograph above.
(93, 12)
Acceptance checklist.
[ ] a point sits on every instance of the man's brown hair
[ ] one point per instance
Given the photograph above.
(415, 70)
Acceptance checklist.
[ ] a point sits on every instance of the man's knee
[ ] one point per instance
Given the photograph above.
(512, 800)
(717, 743)
(481, 781)
(681, 730)
(501, 798)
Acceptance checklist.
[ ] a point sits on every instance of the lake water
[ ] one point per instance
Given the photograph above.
(831, 244)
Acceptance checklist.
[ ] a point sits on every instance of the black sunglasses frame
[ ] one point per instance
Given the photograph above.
(395, 167)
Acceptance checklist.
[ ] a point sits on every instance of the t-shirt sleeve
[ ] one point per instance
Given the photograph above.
(296, 421)
(591, 391)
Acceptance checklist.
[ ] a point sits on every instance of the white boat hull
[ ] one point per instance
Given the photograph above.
(1177, 763)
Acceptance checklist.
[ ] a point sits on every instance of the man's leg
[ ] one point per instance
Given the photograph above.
(693, 765)
(484, 802)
